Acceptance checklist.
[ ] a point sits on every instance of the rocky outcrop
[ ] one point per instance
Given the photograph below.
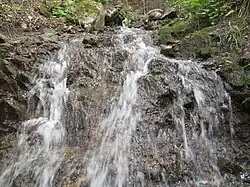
(95, 73)
(19, 59)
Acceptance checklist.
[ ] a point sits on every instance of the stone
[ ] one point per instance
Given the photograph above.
(244, 59)
(169, 15)
(113, 17)
(99, 23)
(245, 105)
(89, 41)
(168, 50)
(227, 166)
(155, 14)
(205, 53)
(3, 38)
(246, 177)
(24, 26)
(233, 75)
(11, 110)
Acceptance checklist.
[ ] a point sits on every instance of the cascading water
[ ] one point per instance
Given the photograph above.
(162, 128)
(109, 164)
(200, 145)
(40, 147)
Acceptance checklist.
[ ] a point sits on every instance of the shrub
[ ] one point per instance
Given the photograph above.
(203, 12)
(74, 8)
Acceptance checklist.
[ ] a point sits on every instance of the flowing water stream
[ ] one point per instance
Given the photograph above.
(109, 165)
(134, 146)
(40, 147)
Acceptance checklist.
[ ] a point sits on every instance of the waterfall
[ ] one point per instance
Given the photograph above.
(109, 164)
(40, 147)
(165, 122)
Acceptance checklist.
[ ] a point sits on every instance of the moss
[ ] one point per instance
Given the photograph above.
(3, 52)
(205, 52)
(17, 8)
(204, 32)
(175, 30)
(46, 11)
(165, 35)
(77, 12)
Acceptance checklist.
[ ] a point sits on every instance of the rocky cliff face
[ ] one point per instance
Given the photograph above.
(94, 78)
(19, 58)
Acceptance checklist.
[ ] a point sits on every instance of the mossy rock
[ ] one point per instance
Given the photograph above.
(204, 32)
(175, 30)
(200, 44)
(46, 11)
(77, 12)
(205, 52)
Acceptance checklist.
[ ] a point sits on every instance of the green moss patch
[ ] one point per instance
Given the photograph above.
(72, 11)
(177, 30)
(205, 52)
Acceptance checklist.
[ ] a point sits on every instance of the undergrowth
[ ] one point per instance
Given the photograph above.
(74, 8)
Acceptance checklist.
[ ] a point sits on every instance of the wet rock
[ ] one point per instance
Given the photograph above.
(233, 75)
(169, 15)
(245, 176)
(99, 23)
(244, 59)
(3, 38)
(239, 96)
(89, 41)
(19, 60)
(118, 59)
(168, 50)
(24, 26)
(114, 17)
(155, 14)
(246, 105)
(204, 53)
(11, 110)
(227, 166)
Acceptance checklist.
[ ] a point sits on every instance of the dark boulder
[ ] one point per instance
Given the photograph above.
(168, 51)
(227, 166)
(114, 17)
(244, 59)
(234, 75)
(155, 14)
(169, 15)
(246, 105)
(3, 38)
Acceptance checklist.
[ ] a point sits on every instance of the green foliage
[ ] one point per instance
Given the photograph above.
(169, 33)
(203, 12)
(61, 12)
(204, 32)
(205, 52)
(72, 8)
(245, 8)
(235, 34)
(17, 8)
(128, 14)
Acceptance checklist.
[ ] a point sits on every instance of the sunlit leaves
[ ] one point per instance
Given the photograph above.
(207, 12)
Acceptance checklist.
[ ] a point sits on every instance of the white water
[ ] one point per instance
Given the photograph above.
(40, 146)
(200, 146)
(109, 165)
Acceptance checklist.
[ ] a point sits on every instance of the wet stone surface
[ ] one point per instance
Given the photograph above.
(182, 137)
